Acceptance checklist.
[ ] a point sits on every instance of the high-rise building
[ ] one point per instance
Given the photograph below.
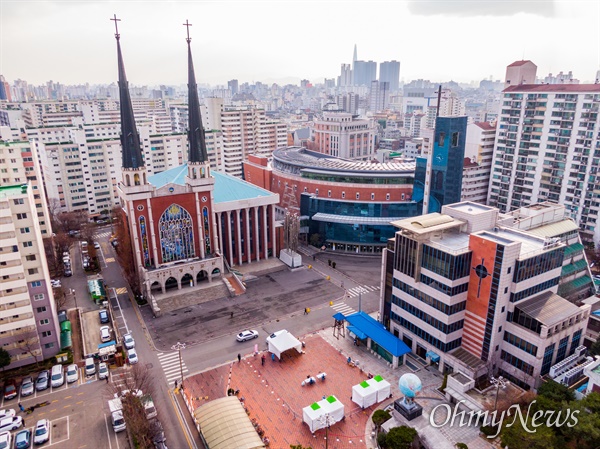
(389, 71)
(29, 327)
(233, 87)
(4, 89)
(474, 291)
(348, 102)
(379, 96)
(438, 176)
(364, 72)
(546, 150)
(345, 78)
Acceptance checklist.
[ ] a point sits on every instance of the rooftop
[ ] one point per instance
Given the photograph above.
(227, 187)
(548, 308)
(429, 223)
(16, 189)
(468, 206)
(554, 88)
(306, 159)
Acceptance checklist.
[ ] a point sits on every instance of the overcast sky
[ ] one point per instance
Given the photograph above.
(285, 40)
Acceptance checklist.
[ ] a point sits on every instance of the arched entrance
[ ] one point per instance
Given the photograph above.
(156, 287)
(202, 277)
(171, 283)
(187, 281)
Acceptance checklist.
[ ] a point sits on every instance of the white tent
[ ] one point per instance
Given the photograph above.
(364, 394)
(281, 341)
(315, 414)
(382, 387)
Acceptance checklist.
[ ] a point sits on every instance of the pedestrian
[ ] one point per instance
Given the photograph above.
(175, 383)
(231, 316)
(240, 358)
(262, 359)
(107, 379)
(305, 312)
(21, 407)
(272, 356)
(355, 343)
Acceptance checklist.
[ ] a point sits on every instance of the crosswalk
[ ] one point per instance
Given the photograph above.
(103, 234)
(170, 365)
(354, 291)
(343, 308)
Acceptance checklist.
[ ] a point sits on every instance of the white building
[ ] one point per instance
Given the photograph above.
(479, 148)
(340, 135)
(546, 149)
(28, 323)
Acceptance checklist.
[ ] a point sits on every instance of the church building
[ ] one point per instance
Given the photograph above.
(189, 224)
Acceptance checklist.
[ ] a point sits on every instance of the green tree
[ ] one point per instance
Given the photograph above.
(400, 437)
(556, 392)
(592, 402)
(379, 417)
(595, 348)
(461, 446)
(315, 240)
(4, 358)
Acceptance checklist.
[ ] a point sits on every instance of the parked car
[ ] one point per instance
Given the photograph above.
(12, 423)
(57, 376)
(10, 389)
(72, 373)
(23, 439)
(103, 314)
(96, 245)
(132, 356)
(128, 341)
(102, 371)
(105, 333)
(90, 366)
(68, 273)
(7, 413)
(42, 431)
(5, 438)
(247, 335)
(55, 283)
(123, 393)
(43, 380)
(27, 386)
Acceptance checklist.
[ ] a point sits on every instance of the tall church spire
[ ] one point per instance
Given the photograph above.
(196, 140)
(355, 56)
(130, 140)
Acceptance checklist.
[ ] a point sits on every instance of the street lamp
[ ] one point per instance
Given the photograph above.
(179, 347)
(326, 420)
(498, 382)
(72, 291)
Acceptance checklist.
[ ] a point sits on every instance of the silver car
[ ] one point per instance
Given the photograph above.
(27, 386)
(128, 341)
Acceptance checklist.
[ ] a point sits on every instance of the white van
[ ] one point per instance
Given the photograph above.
(90, 367)
(57, 376)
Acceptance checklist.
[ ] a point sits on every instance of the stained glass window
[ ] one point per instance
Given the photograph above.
(206, 229)
(176, 231)
(144, 234)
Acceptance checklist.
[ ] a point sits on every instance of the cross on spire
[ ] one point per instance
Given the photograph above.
(188, 25)
(117, 35)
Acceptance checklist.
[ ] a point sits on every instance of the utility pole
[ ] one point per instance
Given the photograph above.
(179, 347)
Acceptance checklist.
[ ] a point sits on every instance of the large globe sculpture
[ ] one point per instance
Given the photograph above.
(410, 385)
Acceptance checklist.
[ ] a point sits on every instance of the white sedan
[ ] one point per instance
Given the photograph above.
(55, 283)
(247, 335)
(72, 373)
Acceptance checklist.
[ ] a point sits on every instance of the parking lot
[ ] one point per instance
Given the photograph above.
(80, 405)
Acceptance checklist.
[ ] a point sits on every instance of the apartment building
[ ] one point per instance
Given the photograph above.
(28, 323)
(475, 291)
(548, 149)
(341, 135)
(19, 165)
(479, 149)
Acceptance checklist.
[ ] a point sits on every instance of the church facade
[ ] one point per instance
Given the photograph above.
(187, 225)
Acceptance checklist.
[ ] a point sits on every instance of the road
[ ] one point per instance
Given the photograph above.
(272, 302)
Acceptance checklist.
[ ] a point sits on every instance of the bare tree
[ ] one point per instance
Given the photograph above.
(54, 209)
(125, 254)
(30, 342)
(125, 386)
(60, 299)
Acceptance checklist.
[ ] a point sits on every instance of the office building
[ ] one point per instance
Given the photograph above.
(474, 291)
(28, 326)
(233, 86)
(379, 96)
(479, 149)
(364, 72)
(340, 135)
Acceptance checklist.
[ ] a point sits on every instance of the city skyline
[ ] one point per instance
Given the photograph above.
(73, 42)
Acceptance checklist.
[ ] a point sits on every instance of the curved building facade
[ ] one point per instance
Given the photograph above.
(349, 204)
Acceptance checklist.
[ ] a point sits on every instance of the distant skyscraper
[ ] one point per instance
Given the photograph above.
(364, 72)
(389, 71)
(233, 86)
(379, 96)
(345, 78)
(4, 89)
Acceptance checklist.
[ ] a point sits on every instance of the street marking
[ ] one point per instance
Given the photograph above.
(171, 366)
(55, 400)
(107, 432)
(343, 308)
(68, 397)
(181, 423)
(121, 290)
(109, 259)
